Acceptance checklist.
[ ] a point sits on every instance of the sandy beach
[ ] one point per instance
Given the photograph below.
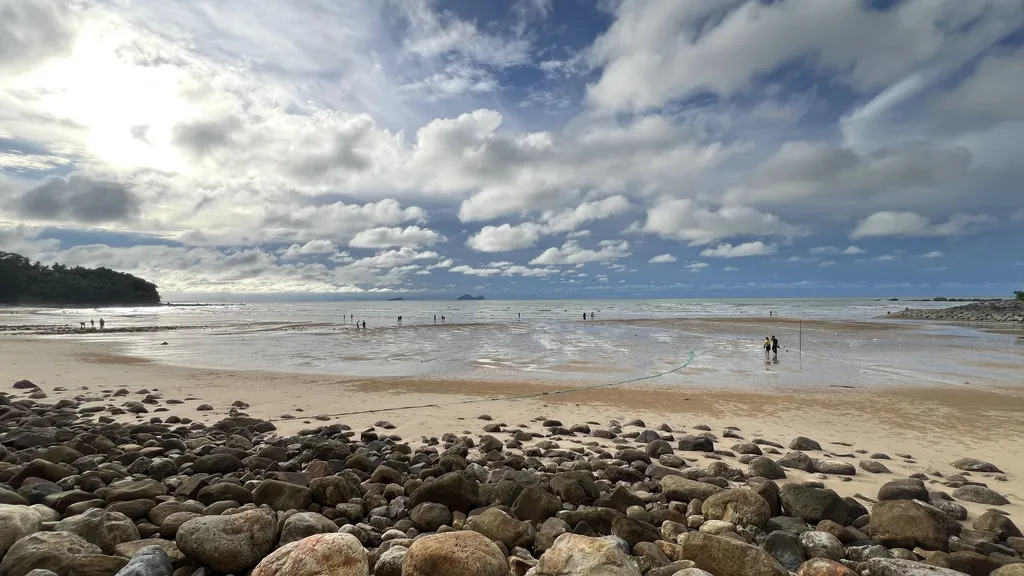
(935, 425)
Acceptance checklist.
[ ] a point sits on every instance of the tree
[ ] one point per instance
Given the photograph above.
(1020, 295)
(25, 282)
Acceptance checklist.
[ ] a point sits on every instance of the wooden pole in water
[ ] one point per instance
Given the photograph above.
(801, 344)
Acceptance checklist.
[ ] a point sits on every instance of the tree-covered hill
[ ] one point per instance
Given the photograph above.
(25, 282)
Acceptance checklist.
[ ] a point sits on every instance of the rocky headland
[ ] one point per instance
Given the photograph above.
(1002, 311)
(118, 489)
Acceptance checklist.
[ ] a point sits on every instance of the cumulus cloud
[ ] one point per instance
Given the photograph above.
(662, 259)
(696, 266)
(572, 253)
(505, 238)
(758, 248)
(848, 251)
(686, 220)
(311, 248)
(933, 254)
(912, 224)
(78, 197)
(383, 237)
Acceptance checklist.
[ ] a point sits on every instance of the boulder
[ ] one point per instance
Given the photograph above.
(549, 531)
(97, 565)
(16, 522)
(683, 489)
(797, 461)
(457, 490)
(333, 490)
(501, 527)
(54, 551)
(803, 443)
(429, 516)
(335, 554)
(147, 489)
(813, 504)
(130, 549)
(102, 528)
(224, 491)
(980, 495)
(1009, 570)
(837, 467)
(895, 567)
(282, 496)
(228, 544)
(390, 562)
(824, 567)
(785, 547)
(634, 531)
(740, 506)
(908, 489)
(696, 444)
(723, 556)
(303, 525)
(992, 521)
(535, 505)
(577, 487)
(874, 466)
(462, 553)
(905, 524)
(974, 465)
(575, 555)
(822, 545)
(148, 561)
(766, 468)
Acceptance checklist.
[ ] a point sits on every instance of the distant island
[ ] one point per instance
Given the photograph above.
(399, 299)
(25, 282)
(470, 297)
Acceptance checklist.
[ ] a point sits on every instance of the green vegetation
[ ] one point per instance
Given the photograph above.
(1020, 295)
(25, 282)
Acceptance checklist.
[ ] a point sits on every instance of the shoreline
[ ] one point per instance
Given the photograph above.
(919, 432)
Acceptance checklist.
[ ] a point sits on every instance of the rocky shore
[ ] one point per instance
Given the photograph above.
(116, 489)
(1003, 311)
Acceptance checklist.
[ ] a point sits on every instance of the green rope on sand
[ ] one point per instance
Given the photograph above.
(517, 397)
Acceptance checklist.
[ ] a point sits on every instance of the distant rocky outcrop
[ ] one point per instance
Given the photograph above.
(470, 297)
(1004, 311)
(399, 299)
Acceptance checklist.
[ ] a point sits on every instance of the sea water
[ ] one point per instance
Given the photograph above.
(550, 341)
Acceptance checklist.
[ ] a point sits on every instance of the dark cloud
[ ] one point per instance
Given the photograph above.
(80, 198)
(33, 30)
(140, 132)
(203, 137)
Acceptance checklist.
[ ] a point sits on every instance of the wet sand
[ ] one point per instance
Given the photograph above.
(934, 424)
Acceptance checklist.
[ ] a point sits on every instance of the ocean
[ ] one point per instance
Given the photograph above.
(719, 341)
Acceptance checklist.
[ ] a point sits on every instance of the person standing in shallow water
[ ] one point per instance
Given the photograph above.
(775, 349)
(767, 348)
(102, 324)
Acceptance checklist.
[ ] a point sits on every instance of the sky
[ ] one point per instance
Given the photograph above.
(519, 148)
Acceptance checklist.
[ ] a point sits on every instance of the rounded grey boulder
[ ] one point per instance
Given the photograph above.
(228, 544)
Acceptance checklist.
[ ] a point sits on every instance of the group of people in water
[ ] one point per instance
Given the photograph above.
(93, 324)
(771, 348)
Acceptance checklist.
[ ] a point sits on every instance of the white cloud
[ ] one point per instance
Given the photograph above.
(913, 224)
(826, 263)
(758, 248)
(662, 259)
(696, 266)
(446, 263)
(1018, 216)
(313, 247)
(505, 238)
(933, 254)
(383, 237)
(730, 269)
(848, 251)
(572, 253)
(686, 220)
(471, 271)
(569, 220)
(656, 51)
(853, 250)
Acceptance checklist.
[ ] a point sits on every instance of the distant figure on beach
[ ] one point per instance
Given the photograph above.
(591, 315)
(770, 313)
(102, 323)
(520, 315)
(442, 319)
(83, 325)
(364, 324)
(584, 316)
(775, 349)
(399, 319)
(767, 348)
(435, 318)
(93, 323)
